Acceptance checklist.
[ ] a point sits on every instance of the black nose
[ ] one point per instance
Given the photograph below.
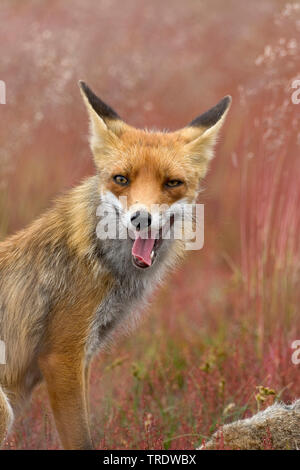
(141, 220)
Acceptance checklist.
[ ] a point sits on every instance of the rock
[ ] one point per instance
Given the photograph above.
(277, 427)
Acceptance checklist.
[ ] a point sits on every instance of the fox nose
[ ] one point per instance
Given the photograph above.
(141, 220)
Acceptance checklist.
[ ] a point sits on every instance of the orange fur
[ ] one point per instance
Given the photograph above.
(60, 293)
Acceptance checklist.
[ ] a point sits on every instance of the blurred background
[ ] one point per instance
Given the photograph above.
(216, 343)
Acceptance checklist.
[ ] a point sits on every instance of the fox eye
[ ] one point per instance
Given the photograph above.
(121, 180)
(173, 183)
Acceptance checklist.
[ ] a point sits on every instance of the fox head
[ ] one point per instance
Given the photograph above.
(147, 176)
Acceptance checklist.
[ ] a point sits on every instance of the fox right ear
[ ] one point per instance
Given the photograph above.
(105, 124)
(201, 134)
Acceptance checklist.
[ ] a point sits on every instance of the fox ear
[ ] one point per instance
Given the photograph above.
(105, 124)
(201, 134)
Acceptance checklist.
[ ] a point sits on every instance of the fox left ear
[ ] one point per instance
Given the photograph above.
(105, 124)
(201, 134)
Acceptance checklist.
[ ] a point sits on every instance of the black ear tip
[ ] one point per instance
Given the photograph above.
(224, 103)
(227, 100)
(101, 108)
(213, 115)
(82, 85)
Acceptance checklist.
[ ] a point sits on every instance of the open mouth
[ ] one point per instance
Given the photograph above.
(145, 250)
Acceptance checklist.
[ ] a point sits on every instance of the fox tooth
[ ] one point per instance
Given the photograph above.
(152, 254)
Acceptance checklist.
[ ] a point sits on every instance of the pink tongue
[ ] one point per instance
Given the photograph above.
(142, 249)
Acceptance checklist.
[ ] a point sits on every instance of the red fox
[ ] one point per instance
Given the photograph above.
(64, 289)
